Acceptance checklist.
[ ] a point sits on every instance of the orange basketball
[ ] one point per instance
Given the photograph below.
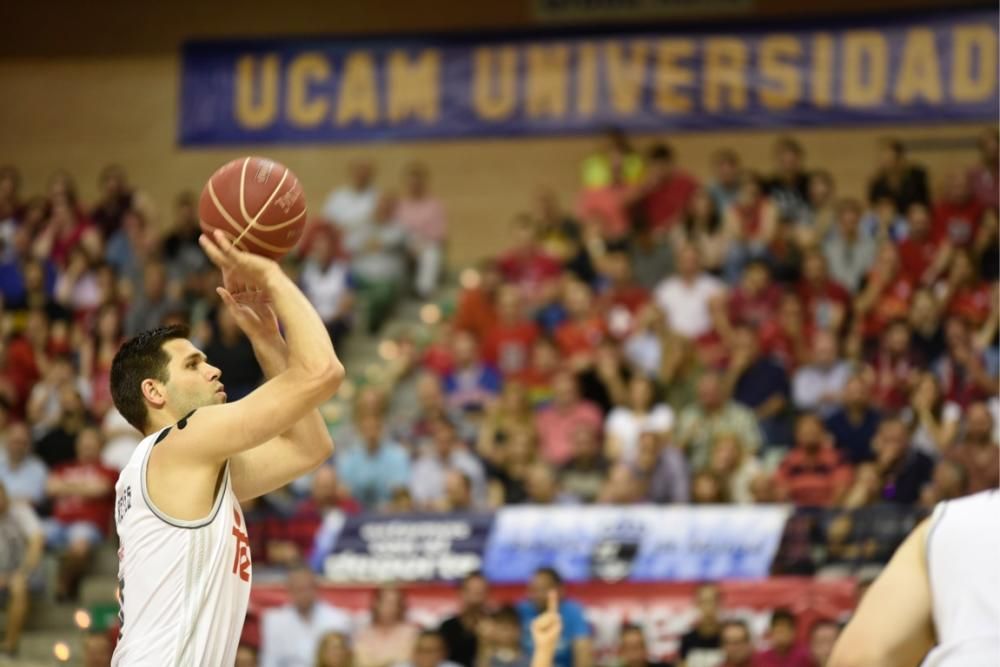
(258, 203)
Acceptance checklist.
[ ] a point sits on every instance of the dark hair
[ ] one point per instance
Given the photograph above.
(475, 574)
(782, 615)
(895, 145)
(139, 358)
(507, 614)
(661, 151)
(551, 573)
(787, 143)
(631, 627)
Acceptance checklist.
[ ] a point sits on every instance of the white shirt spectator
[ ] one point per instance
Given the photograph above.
(686, 305)
(326, 288)
(289, 640)
(428, 476)
(644, 351)
(817, 388)
(951, 413)
(121, 440)
(623, 426)
(349, 208)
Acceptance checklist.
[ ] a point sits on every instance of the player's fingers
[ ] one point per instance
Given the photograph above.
(553, 602)
(213, 251)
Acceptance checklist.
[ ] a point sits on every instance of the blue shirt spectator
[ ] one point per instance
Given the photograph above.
(374, 467)
(22, 473)
(575, 628)
(853, 426)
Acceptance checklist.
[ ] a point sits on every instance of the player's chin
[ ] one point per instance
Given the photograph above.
(219, 397)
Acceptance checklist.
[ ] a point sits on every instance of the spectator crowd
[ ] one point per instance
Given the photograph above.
(755, 337)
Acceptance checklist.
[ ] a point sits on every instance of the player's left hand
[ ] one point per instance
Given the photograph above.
(253, 314)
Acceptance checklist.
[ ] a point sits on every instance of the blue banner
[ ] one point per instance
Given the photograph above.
(414, 547)
(936, 68)
(640, 543)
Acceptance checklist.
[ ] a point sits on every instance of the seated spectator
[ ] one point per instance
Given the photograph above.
(153, 303)
(131, 247)
(424, 221)
(707, 488)
(897, 177)
(428, 651)
(887, 293)
(325, 281)
(21, 549)
(761, 384)
(650, 342)
(527, 265)
(501, 645)
(475, 308)
(965, 294)
(626, 422)
(375, 465)
(784, 652)
(825, 302)
(948, 481)
(702, 228)
(82, 493)
(542, 487)
(583, 474)
(623, 486)
(353, 204)
(555, 422)
(932, 419)
(956, 214)
(853, 425)
(231, 352)
(291, 633)
(431, 406)
(619, 297)
(661, 469)
(389, 638)
(460, 632)
(116, 199)
(821, 208)
(927, 332)
(922, 259)
(976, 449)
(849, 253)
(22, 473)
(789, 186)
(96, 355)
(751, 223)
(181, 252)
(65, 229)
(44, 405)
(692, 299)
(737, 468)
(560, 236)
(292, 538)
(575, 647)
(893, 367)
(458, 496)
(884, 222)
(983, 177)
(444, 452)
(603, 211)
(542, 369)
(605, 381)
(812, 473)
(699, 423)
(503, 417)
(668, 189)
(615, 148)
(818, 386)
(334, 651)
(651, 257)
(822, 636)
(508, 467)
(755, 300)
(58, 445)
(737, 645)
(967, 374)
(507, 346)
(701, 646)
(471, 383)
(377, 262)
(583, 329)
(632, 649)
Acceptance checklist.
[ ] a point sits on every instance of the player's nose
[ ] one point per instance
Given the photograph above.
(213, 372)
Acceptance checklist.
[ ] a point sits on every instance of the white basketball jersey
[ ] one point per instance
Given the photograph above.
(184, 585)
(963, 557)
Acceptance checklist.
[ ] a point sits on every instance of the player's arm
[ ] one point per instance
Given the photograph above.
(216, 433)
(297, 450)
(893, 626)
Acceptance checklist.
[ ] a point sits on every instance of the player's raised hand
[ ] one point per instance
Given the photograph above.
(546, 629)
(253, 314)
(241, 270)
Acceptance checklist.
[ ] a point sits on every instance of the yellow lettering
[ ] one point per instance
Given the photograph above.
(305, 70)
(254, 111)
(358, 92)
(822, 71)
(670, 75)
(725, 60)
(919, 76)
(625, 75)
(547, 84)
(586, 79)
(782, 85)
(865, 67)
(494, 93)
(414, 86)
(973, 79)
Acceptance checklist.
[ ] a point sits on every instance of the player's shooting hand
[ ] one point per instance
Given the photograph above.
(253, 314)
(546, 629)
(241, 270)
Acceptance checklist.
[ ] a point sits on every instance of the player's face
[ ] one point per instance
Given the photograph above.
(193, 383)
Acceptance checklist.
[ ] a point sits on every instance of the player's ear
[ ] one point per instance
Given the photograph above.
(153, 392)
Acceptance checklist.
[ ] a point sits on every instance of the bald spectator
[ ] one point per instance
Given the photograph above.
(21, 472)
(819, 385)
(812, 474)
(976, 450)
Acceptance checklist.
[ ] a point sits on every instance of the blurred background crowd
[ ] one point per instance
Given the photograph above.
(755, 337)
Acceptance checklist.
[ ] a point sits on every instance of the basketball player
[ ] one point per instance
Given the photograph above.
(939, 596)
(184, 560)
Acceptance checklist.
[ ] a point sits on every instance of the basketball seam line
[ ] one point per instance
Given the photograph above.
(236, 226)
